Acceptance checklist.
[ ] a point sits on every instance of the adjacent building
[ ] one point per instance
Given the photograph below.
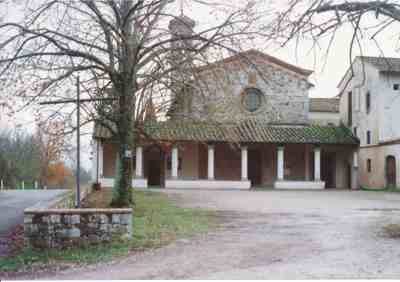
(370, 106)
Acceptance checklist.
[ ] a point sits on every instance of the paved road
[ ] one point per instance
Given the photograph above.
(12, 205)
(273, 235)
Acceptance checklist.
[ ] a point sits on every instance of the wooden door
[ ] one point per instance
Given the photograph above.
(154, 173)
(328, 169)
(391, 171)
(254, 167)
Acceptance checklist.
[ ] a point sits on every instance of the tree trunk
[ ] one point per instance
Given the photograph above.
(126, 88)
(122, 196)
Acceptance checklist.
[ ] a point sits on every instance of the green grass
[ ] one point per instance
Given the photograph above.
(156, 222)
(375, 189)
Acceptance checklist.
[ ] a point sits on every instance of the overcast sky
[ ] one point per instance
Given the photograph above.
(327, 70)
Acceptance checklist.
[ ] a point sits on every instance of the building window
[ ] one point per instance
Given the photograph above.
(368, 102)
(368, 137)
(396, 86)
(355, 131)
(369, 165)
(252, 99)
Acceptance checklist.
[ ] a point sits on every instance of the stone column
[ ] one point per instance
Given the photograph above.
(139, 162)
(317, 164)
(281, 163)
(175, 160)
(354, 171)
(244, 163)
(307, 162)
(210, 162)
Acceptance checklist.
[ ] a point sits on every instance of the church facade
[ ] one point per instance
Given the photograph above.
(255, 126)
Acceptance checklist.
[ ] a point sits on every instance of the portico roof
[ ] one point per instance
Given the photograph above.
(248, 131)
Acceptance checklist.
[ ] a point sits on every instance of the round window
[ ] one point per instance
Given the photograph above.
(252, 99)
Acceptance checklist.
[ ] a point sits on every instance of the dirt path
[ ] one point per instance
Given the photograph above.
(272, 235)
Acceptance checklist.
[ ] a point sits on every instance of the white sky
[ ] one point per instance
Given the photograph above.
(327, 71)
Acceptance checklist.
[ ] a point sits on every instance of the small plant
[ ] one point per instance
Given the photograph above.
(392, 230)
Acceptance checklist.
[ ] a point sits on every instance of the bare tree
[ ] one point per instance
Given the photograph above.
(123, 50)
(322, 19)
(49, 139)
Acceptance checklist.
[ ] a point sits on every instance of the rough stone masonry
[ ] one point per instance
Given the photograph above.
(57, 228)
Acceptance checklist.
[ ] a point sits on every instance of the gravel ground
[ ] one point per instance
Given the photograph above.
(273, 235)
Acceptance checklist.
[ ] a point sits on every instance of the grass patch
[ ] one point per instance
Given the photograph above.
(375, 189)
(157, 220)
(28, 257)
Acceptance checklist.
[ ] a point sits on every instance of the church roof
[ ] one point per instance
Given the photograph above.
(251, 131)
(330, 105)
(246, 56)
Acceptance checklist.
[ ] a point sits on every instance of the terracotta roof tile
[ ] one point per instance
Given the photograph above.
(330, 105)
(245, 131)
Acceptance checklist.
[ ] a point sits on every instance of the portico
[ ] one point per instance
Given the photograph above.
(182, 178)
(306, 183)
(238, 156)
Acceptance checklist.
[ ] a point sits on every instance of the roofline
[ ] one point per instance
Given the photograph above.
(362, 58)
(320, 111)
(244, 54)
(323, 98)
(345, 74)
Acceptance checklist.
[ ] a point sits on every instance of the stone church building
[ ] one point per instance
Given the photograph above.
(255, 126)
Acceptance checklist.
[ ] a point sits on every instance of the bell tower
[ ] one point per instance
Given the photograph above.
(181, 30)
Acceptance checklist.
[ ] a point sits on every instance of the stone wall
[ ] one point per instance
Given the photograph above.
(220, 91)
(57, 228)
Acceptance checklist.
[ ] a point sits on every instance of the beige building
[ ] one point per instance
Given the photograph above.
(370, 106)
(248, 122)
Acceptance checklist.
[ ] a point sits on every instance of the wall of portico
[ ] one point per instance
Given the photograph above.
(193, 158)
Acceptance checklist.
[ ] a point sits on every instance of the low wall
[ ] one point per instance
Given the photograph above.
(299, 185)
(136, 182)
(207, 184)
(57, 228)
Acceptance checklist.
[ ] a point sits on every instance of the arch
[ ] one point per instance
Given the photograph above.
(391, 177)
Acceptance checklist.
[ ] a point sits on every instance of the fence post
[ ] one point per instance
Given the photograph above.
(23, 185)
(1, 185)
